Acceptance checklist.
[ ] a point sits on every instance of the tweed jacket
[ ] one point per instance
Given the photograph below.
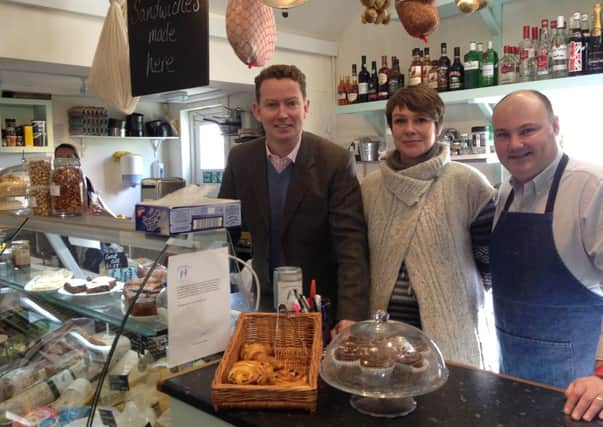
(323, 227)
(422, 216)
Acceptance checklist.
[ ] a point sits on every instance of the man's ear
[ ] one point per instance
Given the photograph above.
(255, 109)
(306, 108)
(556, 125)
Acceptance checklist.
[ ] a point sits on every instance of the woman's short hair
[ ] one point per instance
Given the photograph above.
(419, 99)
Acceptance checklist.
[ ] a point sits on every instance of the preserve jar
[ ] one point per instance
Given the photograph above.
(21, 253)
(67, 187)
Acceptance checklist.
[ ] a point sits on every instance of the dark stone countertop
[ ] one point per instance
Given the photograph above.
(469, 398)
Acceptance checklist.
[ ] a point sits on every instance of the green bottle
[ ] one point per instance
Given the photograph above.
(489, 67)
(471, 62)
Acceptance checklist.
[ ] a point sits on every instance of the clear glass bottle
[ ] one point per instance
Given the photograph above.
(353, 89)
(425, 66)
(559, 49)
(543, 52)
(508, 67)
(575, 47)
(527, 68)
(67, 188)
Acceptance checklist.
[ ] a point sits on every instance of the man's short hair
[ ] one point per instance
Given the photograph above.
(67, 146)
(280, 71)
(419, 99)
(541, 96)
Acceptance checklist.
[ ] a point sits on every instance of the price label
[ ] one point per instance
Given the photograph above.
(107, 417)
(119, 382)
(115, 260)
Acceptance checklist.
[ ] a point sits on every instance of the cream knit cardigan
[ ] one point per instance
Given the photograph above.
(421, 215)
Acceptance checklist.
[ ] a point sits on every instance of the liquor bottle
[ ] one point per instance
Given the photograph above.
(543, 52)
(575, 47)
(471, 65)
(456, 71)
(443, 65)
(353, 88)
(527, 67)
(373, 85)
(393, 83)
(425, 66)
(585, 29)
(559, 49)
(363, 80)
(508, 67)
(595, 59)
(553, 23)
(383, 78)
(415, 70)
(433, 75)
(489, 67)
(342, 96)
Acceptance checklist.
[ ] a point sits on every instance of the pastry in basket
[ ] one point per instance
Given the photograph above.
(248, 372)
(256, 351)
(290, 377)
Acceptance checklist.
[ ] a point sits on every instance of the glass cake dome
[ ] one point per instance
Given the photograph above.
(383, 363)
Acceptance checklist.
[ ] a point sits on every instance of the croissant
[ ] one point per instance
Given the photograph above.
(256, 351)
(245, 372)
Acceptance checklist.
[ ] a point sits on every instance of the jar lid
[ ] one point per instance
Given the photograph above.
(479, 129)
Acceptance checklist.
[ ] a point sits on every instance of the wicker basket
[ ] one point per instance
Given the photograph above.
(297, 343)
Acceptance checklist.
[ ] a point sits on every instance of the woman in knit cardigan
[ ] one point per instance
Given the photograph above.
(428, 219)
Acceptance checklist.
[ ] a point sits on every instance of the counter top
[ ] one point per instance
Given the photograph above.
(469, 397)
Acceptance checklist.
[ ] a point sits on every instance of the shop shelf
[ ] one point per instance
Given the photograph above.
(24, 111)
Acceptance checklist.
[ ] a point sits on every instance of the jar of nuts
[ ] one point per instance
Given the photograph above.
(67, 187)
(39, 176)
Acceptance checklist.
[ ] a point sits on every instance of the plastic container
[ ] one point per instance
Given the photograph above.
(14, 190)
(67, 188)
(21, 253)
(39, 176)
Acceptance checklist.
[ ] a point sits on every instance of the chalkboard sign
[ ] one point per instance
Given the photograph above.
(169, 45)
(115, 260)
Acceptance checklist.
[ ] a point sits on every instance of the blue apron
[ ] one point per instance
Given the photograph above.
(547, 323)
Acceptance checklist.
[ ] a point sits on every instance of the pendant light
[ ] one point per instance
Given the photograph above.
(284, 5)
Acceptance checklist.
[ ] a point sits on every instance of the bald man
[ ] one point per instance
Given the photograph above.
(546, 256)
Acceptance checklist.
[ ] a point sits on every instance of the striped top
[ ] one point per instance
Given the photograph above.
(403, 304)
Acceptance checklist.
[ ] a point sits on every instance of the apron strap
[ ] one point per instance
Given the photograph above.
(550, 203)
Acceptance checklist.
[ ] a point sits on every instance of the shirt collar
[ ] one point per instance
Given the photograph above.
(292, 155)
(542, 181)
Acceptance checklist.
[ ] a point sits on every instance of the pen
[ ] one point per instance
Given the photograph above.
(302, 302)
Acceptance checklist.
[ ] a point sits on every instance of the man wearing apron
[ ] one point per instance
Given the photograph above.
(546, 256)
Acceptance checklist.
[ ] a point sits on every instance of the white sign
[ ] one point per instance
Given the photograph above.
(198, 305)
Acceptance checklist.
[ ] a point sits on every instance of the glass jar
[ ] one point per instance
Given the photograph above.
(21, 254)
(67, 187)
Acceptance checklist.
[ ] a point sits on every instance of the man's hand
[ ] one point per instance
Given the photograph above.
(341, 325)
(584, 398)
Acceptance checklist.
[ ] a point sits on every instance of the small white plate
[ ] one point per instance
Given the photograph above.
(48, 281)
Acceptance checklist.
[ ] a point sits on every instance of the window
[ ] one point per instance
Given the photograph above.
(208, 146)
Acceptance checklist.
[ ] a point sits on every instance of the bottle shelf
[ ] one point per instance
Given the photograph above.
(484, 97)
(24, 111)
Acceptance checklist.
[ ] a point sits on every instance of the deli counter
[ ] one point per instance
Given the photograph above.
(59, 313)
